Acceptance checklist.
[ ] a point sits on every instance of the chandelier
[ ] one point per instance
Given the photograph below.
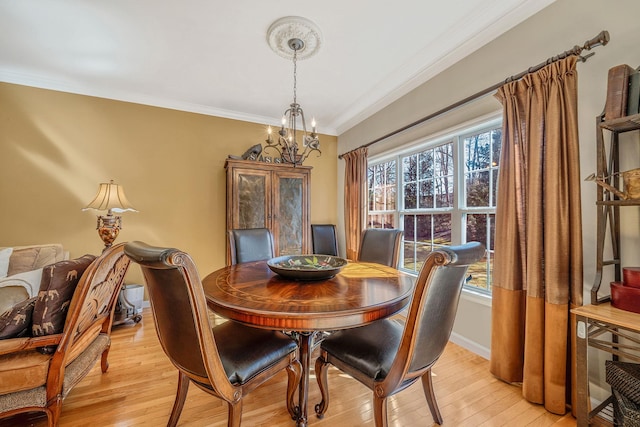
(297, 38)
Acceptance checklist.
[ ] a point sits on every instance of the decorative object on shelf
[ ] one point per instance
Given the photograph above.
(633, 97)
(307, 267)
(625, 295)
(630, 178)
(253, 153)
(617, 91)
(296, 38)
(631, 277)
(110, 198)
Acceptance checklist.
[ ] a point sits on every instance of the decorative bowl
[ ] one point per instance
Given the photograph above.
(307, 267)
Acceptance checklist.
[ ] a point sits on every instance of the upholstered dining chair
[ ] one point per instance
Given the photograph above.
(323, 237)
(228, 361)
(247, 245)
(388, 356)
(380, 245)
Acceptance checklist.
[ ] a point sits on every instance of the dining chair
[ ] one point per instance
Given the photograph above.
(323, 237)
(388, 355)
(227, 361)
(380, 245)
(250, 244)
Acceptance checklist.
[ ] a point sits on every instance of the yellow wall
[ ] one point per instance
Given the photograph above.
(55, 148)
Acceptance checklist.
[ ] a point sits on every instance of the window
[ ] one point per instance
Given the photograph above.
(442, 193)
(382, 195)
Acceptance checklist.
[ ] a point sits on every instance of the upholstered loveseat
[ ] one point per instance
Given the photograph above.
(21, 270)
(51, 341)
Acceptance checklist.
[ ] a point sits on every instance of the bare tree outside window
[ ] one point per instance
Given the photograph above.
(382, 186)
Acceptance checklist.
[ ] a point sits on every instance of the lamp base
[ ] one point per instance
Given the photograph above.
(108, 228)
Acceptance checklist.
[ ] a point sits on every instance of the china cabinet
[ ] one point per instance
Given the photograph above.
(273, 196)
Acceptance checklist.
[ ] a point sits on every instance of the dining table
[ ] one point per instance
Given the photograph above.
(361, 293)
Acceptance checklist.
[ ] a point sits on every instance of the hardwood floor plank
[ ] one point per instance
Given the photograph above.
(139, 389)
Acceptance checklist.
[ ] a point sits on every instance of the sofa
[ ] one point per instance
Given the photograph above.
(21, 270)
(49, 342)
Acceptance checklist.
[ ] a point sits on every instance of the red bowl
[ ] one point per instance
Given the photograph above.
(625, 297)
(631, 276)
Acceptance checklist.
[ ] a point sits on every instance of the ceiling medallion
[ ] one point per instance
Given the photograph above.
(294, 27)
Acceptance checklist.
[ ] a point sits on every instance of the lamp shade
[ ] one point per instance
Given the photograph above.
(110, 198)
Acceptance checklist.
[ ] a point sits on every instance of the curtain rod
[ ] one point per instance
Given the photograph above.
(599, 40)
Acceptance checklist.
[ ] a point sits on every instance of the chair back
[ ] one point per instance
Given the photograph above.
(324, 239)
(380, 245)
(94, 300)
(180, 312)
(435, 303)
(251, 244)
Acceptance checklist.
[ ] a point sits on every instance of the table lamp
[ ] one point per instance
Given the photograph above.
(110, 198)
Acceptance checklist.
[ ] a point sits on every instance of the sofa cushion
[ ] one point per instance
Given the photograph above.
(23, 370)
(26, 258)
(58, 284)
(5, 254)
(16, 322)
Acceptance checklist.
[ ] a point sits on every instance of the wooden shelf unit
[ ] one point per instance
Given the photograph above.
(608, 204)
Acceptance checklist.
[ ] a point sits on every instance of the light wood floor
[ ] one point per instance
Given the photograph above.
(138, 390)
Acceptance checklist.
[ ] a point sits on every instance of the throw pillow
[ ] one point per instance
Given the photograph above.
(16, 322)
(5, 254)
(58, 284)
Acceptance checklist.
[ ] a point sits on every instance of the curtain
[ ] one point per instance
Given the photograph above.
(355, 199)
(538, 239)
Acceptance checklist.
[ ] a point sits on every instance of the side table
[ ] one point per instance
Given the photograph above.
(129, 304)
(593, 324)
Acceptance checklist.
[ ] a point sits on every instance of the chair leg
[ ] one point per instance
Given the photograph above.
(321, 368)
(53, 413)
(294, 374)
(104, 362)
(427, 386)
(380, 410)
(235, 414)
(181, 396)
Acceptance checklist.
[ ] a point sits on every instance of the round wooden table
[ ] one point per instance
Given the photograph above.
(361, 293)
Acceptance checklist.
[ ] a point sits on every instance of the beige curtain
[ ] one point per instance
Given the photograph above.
(538, 240)
(355, 199)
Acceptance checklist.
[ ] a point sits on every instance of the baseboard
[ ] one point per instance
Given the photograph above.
(472, 346)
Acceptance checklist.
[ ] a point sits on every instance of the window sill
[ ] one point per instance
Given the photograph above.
(476, 297)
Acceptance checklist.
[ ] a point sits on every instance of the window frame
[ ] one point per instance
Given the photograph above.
(459, 209)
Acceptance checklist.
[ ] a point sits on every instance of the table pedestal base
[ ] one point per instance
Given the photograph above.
(305, 344)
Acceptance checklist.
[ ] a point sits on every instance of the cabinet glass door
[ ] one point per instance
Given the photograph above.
(290, 199)
(251, 211)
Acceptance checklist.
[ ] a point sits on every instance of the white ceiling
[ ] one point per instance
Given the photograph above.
(212, 57)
